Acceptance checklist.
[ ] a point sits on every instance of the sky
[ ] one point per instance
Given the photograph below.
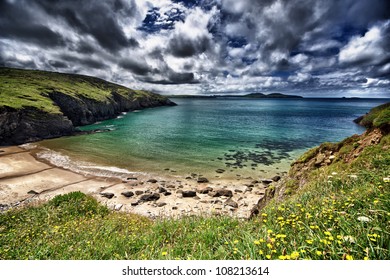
(319, 48)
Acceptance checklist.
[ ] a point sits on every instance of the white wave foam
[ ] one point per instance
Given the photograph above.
(82, 167)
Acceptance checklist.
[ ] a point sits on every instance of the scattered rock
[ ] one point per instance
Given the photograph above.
(167, 193)
(276, 178)
(162, 190)
(205, 190)
(127, 194)
(107, 195)
(189, 193)
(150, 197)
(364, 219)
(132, 178)
(220, 170)
(254, 182)
(32, 192)
(221, 192)
(332, 157)
(238, 191)
(319, 159)
(202, 180)
(153, 181)
(139, 192)
(118, 207)
(266, 181)
(161, 204)
(188, 178)
(230, 202)
(174, 208)
(135, 203)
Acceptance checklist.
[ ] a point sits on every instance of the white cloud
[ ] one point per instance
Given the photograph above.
(367, 49)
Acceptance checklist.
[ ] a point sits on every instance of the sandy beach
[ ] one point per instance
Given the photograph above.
(25, 179)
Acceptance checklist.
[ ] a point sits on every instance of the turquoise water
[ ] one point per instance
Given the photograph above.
(241, 136)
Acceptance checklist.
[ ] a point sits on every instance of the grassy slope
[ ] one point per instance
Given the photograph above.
(29, 88)
(342, 212)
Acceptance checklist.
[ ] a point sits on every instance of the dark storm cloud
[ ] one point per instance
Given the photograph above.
(97, 19)
(58, 64)
(82, 61)
(136, 67)
(182, 46)
(18, 22)
(205, 46)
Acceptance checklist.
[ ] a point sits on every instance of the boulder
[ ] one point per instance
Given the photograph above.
(153, 181)
(221, 192)
(161, 204)
(202, 180)
(107, 195)
(205, 190)
(276, 178)
(127, 194)
(188, 193)
(150, 197)
(230, 202)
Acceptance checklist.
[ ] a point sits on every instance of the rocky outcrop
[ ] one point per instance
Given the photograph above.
(28, 124)
(19, 126)
(84, 111)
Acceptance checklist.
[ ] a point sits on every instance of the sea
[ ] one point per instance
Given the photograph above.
(223, 138)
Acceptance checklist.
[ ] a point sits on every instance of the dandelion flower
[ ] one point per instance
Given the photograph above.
(268, 256)
(349, 257)
(294, 255)
(164, 253)
(319, 253)
(257, 242)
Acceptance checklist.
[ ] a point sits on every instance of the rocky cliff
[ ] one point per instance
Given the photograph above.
(36, 105)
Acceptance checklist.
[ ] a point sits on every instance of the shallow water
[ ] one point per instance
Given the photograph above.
(245, 137)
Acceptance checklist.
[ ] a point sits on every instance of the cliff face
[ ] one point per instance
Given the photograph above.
(36, 105)
(18, 126)
(84, 111)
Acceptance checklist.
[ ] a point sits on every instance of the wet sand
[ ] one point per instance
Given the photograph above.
(25, 179)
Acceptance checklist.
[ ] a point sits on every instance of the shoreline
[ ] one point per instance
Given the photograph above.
(26, 179)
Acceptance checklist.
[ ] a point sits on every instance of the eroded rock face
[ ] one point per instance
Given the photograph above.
(30, 124)
(18, 126)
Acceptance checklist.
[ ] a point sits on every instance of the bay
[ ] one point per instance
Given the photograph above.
(240, 136)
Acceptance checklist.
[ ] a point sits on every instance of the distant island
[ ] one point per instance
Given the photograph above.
(256, 95)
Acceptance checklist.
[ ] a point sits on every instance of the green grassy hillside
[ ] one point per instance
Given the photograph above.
(30, 88)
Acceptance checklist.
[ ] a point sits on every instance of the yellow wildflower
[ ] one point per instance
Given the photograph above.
(268, 256)
(257, 242)
(349, 257)
(319, 253)
(294, 255)
(164, 253)
(309, 241)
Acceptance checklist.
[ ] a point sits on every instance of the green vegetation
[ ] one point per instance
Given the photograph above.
(341, 211)
(30, 88)
(378, 117)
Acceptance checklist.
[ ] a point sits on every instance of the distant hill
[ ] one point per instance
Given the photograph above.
(250, 95)
(271, 95)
